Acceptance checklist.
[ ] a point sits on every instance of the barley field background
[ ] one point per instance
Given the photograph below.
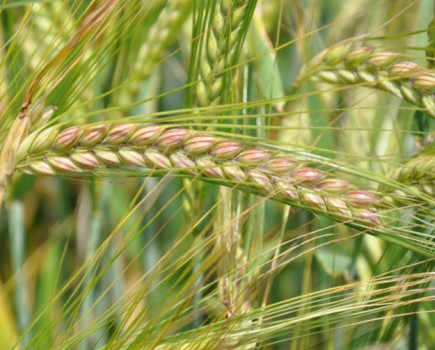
(217, 174)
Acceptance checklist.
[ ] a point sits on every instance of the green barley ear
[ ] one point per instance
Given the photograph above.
(340, 65)
(219, 49)
(419, 172)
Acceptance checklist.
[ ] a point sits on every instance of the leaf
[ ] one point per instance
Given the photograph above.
(267, 66)
(333, 262)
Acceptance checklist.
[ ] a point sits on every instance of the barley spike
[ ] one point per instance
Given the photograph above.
(340, 65)
(220, 50)
(419, 171)
(90, 149)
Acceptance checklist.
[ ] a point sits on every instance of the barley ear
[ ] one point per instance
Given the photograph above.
(340, 65)
(81, 150)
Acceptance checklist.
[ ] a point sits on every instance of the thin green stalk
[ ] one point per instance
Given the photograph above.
(17, 236)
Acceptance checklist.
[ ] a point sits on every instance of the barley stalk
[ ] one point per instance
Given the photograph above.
(382, 70)
(430, 44)
(82, 150)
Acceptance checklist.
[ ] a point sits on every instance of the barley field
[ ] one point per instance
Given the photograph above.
(217, 174)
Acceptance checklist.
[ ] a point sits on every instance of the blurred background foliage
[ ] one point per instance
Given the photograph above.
(144, 262)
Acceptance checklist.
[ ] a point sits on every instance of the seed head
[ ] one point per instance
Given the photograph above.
(226, 149)
(361, 198)
(253, 156)
(307, 175)
(313, 199)
(64, 164)
(198, 144)
(131, 157)
(85, 159)
(335, 54)
(68, 138)
(173, 138)
(93, 135)
(404, 68)
(179, 149)
(381, 59)
(119, 133)
(334, 185)
(234, 172)
(41, 168)
(210, 168)
(338, 206)
(280, 165)
(359, 55)
(107, 156)
(369, 217)
(260, 179)
(424, 81)
(146, 135)
(157, 159)
(180, 160)
(286, 188)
